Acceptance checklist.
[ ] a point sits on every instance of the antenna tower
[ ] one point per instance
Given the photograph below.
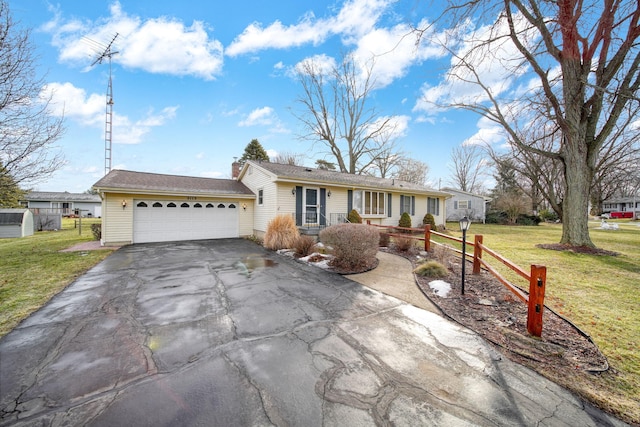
(107, 53)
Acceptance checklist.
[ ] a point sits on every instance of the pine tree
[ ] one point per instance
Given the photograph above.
(254, 151)
(10, 192)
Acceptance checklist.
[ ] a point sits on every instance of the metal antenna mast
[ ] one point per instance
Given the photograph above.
(107, 53)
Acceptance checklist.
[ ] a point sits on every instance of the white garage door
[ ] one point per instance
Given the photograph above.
(165, 221)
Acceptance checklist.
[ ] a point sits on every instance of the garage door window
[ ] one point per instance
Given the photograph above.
(184, 205)
(142, 205)
(197, 205)
(157, 205)
(232, 206)
(209, 205)
(171, 205)
(221, 206)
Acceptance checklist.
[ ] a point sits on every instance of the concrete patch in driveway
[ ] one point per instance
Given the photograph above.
(192, 333)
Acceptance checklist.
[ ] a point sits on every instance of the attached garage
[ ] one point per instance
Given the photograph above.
(139, 207)
(162, 221)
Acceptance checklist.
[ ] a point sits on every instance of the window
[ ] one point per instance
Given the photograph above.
(369, 202)
(141, 205)
(463, 204)
(407, 204)
(232, 206)
(157, 205)
(209, 205)
(221, 206)
(197, 205)
(260, 197)
(171, 205)
(433, 206)
(184, 205)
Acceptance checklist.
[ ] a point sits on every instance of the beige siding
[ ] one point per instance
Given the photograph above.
(256, 179)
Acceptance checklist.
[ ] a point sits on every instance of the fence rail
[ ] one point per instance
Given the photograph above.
(536, 277)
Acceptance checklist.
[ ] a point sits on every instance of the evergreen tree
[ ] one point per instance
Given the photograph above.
(10, 192)
(254, 151)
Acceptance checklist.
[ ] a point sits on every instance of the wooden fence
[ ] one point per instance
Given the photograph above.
(536, 277)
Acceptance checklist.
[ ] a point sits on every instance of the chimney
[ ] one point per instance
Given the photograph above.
(235, 169)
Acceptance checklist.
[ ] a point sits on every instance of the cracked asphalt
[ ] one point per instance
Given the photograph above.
(225, 333)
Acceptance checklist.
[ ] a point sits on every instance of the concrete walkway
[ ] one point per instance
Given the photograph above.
(394, 276)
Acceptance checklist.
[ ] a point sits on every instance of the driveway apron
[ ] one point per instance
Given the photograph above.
(225, 333)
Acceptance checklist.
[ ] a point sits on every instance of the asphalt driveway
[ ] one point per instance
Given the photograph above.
(224, 333)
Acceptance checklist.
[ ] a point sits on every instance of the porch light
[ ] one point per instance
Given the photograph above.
(244, 206)
(293, 191)
(465, 223)
(124, 204)
(329, 193)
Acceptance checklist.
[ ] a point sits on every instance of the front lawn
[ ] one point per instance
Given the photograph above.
(600, 294)
(33, 269)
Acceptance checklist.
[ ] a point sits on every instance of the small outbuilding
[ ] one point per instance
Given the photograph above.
(16, 223)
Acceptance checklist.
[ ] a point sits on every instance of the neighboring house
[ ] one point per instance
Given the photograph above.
(144, 207)
(16, 223)
(622, 204)
(473, 206)
(64, 203)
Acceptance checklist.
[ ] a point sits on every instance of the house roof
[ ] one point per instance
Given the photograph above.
(453, 190)
(293, 173)
(136, 182)
(57, 196)
(12, 216)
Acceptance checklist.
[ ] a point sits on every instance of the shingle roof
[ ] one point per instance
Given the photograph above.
(135, 181)
(301, 173)
(61, 196)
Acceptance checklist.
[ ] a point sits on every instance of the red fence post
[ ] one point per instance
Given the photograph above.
(427, 237)
(477, 253)
(537, 282)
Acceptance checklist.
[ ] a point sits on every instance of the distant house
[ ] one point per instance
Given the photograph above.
(473, 206)
(64, 203)
(16, 223)
(143, 207)
(622, 204)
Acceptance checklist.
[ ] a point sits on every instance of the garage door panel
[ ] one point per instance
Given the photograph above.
(214, 220)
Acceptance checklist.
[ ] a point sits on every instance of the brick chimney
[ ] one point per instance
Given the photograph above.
(235, 170)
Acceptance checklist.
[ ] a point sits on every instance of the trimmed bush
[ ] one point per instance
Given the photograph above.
(96, 230)
(429, 219)
(405, 221)
(528, 220)
(354, 246)
(281, 233)
(403, 244)
(304, 246)
(431, 269)
(354, 217)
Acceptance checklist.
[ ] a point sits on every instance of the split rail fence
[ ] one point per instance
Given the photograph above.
(536, 276)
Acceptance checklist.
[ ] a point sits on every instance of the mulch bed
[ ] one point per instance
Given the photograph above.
(492, 311)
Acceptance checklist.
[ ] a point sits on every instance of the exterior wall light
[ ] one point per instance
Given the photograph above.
(244, 206)
(329, 193)
(293, 191)
(124, 204)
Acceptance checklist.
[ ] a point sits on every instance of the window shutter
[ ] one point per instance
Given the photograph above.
(455, 204)
(323, 206)
(413, 205)
(349, 201)
(298, 205)
(389, 205)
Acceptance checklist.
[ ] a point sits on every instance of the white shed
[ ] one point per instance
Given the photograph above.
(16, 223)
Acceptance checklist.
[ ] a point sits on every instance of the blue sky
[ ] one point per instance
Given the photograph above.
(193, 84)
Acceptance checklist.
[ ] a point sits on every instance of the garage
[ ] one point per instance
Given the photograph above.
(166, 220)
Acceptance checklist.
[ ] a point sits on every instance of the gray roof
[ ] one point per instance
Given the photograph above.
(153, 182)
(302, 173)
(11, 216)
(57, 196)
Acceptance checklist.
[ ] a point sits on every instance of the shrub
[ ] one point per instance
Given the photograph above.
(429, 219)
(405, 221)
(442, 253)
(354, 246)
(281, 233)
(384, 240)
(496, 217)
(431, 269)
(304, 246)
(354, 217)
(528, 219)
(548, 215)
(96, 230)
(403, 244)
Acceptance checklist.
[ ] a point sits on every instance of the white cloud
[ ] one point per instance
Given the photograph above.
(489, 133)
(355, 18)
(89, 110)
(264, 116)
(160, 45)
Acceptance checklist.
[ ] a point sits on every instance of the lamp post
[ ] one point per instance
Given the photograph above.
(465, 223)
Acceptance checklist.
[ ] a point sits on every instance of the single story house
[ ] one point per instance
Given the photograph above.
(16, 223)
(143, 207)
(622, 204)
(64, 203)
(462, 203)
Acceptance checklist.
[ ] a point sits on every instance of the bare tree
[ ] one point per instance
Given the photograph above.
(582, 59)
(468, 167)
(27, 128)
(336, 113)
(288, 158)
(412, 170)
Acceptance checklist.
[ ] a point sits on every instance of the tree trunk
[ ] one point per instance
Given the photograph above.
(575, 207)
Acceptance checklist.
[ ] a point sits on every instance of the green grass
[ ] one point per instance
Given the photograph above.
(600, 294)
(33, 269)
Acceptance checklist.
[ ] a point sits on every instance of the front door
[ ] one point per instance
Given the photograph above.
(311, 205)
